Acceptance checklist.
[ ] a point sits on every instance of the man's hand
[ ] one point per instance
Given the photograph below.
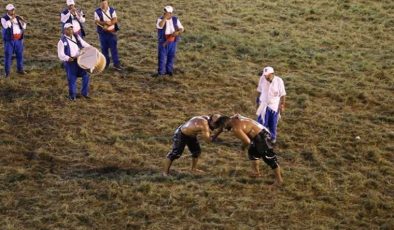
(167, 16)
(281, 108)
(73, 10)
(176, 33)
(70, 59)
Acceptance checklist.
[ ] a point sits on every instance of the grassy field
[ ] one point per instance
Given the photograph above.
(97, 164)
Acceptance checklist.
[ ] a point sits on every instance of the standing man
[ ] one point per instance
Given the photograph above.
(12, 31)
(168, 30)
(270, 100)
(75, 17)
(258, 139)
(107, 26)
(68, 49)
(186, 134)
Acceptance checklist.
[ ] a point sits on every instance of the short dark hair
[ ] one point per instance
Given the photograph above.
(221, 121)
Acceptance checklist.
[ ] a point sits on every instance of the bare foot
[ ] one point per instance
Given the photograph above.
(255, 175)
(198, 171)
(165, 174)
(273, 186)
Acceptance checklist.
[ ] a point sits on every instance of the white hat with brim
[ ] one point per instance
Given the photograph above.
(268, 70)
(67, 25)
(168, 9)
(10, 7)
(70, 2)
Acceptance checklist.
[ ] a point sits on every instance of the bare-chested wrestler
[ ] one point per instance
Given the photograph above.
(186, 134)
(258, 138)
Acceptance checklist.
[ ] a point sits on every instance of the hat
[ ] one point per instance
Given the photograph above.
(10, 7)
(268, 70)
(168, 9)
(70, 2)
(67, 25)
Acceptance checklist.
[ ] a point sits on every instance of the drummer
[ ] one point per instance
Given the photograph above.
(68, 49)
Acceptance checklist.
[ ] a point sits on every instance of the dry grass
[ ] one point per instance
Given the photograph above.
(96, 164)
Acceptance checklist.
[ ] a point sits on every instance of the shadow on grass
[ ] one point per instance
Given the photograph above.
(136, 174)
(155, 176)
(226, 143)
(8, 93)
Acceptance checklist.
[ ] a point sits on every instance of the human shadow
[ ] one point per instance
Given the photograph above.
(8, 93)
(114, 172)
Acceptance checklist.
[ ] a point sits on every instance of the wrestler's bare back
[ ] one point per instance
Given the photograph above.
(246, 125)
(196, 125)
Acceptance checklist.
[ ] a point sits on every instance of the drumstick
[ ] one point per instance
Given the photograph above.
(21, 18)
(99, 25)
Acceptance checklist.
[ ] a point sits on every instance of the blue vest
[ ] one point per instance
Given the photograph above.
(7, 33)
(100, 14)
(161, 33)
(70, 20)
(65, 40)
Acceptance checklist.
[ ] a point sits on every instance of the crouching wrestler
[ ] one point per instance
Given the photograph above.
(186, 135)
(258, 139)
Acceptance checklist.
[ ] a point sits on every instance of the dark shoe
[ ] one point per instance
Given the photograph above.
(158, 75)
(21, 72)
(118, 67)
(87, 97)
(71, 98)
(170, 74)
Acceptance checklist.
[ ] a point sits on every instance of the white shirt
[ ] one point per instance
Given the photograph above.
(105, 18)
(74, 49)
(15, 26)
(170, 29)
(76, 26)
(270, 93)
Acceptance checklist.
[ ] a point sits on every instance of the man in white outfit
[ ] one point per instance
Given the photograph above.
(13, 28)
(74, 16)
(169, 29)
(270, 101)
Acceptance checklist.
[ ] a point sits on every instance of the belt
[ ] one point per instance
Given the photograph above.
(16, 36)
(170, 38)
(110, 31)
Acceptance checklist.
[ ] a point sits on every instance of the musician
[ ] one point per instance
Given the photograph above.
(68, 49)
(168, 29)
(74, 16)
(12, 31)
(107, 26)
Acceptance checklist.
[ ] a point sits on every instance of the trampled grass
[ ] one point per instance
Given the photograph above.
(97, 164)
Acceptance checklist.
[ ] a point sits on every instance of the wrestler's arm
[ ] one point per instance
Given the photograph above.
(216, 134)
(243, 137)
(205, 131)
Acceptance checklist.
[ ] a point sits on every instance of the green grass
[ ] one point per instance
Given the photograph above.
(97, 164)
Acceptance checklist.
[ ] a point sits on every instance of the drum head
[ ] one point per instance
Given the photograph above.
(91, 59)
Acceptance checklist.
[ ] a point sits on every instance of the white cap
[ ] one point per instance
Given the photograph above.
(268, 70)
(70, 2)
(67, 25)
(10, 7)
(169, 9)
